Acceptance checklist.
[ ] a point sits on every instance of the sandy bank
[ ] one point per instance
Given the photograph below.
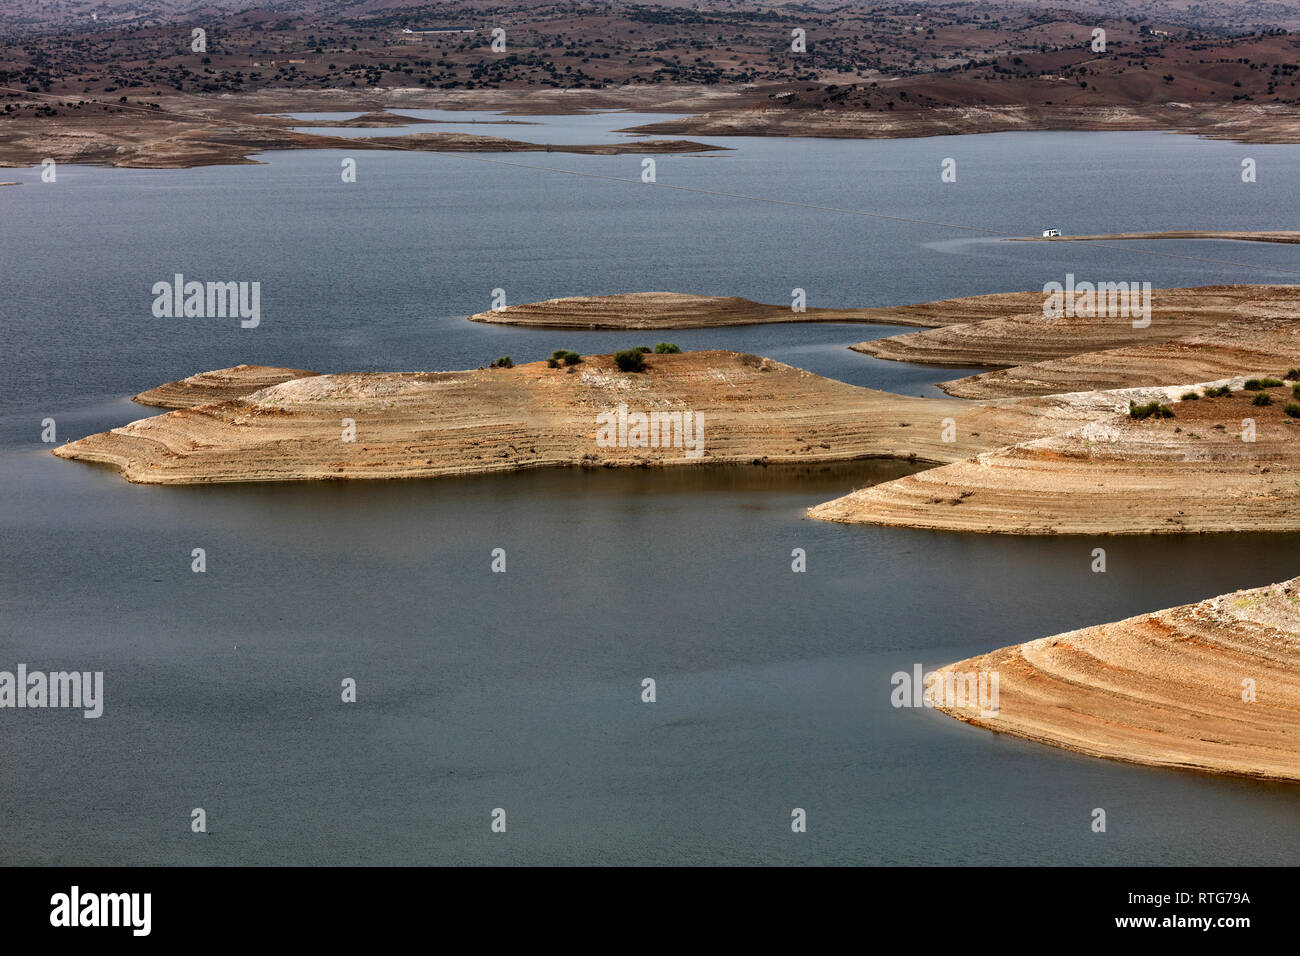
(220, 385)
(1256, 123)
(1194, 472)
(676, 310)
(1196, 334)
(424, 424)
(372, 119)
(1164, 689)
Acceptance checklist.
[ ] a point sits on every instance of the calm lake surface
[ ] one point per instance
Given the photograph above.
(523, 690)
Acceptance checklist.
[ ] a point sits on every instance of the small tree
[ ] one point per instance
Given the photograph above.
(630, 360)
(666, 348)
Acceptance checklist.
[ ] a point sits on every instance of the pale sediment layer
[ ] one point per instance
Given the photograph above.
(1220, 464)
(1212, 686)
(676, 310)
(220, 385)
(424, 424)
(1027, 335)
(1259, 345)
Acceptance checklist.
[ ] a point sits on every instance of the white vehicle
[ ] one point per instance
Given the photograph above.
(1051, 233)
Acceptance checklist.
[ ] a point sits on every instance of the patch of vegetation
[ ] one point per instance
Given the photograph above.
(503, 362)
(1191, 396)
(666, 348)
(1261, 399)
(643, 349)
(1256, 384)
(1293, 375)
(1217, 391)
(1149, 410)
(630, 360)
(1291, 409)
(565, 356)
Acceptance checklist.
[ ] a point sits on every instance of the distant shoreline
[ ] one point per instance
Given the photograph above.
(1283, 236)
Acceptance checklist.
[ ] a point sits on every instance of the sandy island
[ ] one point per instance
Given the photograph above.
(1049, 448)
(679, 310)
(1167, 689)
(426, 424)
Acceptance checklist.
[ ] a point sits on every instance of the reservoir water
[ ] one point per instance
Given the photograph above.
(522, 690)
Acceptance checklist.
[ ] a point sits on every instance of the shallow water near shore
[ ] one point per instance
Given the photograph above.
(523, 690)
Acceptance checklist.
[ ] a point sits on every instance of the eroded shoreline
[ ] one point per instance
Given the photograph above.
(1212, 686)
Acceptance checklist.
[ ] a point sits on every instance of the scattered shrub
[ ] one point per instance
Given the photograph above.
(643, 349)
(503, 362)
(1191, 396)
(1292, 409)
(565, 356)
(1253, 385)
(1217, 391)
(552, 362)
(1150, 409)
(1295, 391)
(1261, 399)
(1271, 382)
(630, 360)
(1293, 375)
(666, 348)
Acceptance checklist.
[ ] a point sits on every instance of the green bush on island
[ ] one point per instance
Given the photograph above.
(643, 349)
(1191, 397)
(1149, 410)
(1292, 409)
(503, 362)
(630, 360)
(1217, 391)
(1256, 384)
(565, 356)
(666, 348)
(1261, 399)
(1293, 375)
